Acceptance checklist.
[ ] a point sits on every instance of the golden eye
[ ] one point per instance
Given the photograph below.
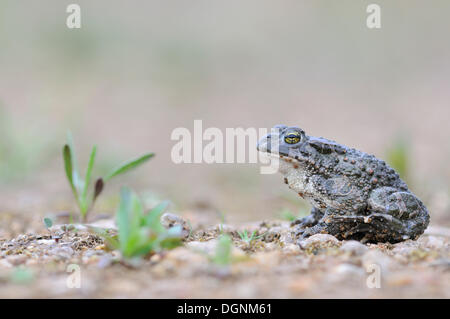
(292, 137)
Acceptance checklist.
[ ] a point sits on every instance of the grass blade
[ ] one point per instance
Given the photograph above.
(75, 177)
(123, 218)
(87, 180)
(152, 219)
(67, 155)
(129, 166)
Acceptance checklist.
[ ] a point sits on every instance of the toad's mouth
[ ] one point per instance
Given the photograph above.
(281, 151)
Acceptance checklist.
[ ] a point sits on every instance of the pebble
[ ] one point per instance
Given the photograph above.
(46, 241)
(354, 247)
(169, 220)
(291, 248)
(104, 261)
(273, 234)
(319, 240)
(209, 247)
(64, 252)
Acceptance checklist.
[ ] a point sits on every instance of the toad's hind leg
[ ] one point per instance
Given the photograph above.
(340, 226)
(396, 215)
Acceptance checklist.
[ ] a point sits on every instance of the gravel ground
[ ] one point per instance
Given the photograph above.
(39, 265)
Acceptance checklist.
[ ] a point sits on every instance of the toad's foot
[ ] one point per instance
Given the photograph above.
(308, 221)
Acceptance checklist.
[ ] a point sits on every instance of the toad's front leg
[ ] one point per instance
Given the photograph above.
(310, 220)
(315, 223)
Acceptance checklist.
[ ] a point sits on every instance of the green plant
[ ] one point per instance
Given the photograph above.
(48, 224)
(222, 222)
(140, 233)
(80, 186)
(22, 275)
(246, 238)
(223, 255)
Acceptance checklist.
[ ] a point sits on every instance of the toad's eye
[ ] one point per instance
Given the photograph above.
(292, 137)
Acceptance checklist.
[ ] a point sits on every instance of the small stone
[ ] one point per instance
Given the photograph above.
(319, 241)
(169, 220)
(354, 247)
(272, 234)
(104, 261)
(64, 252)
(291, 249)
(209, 247)
(46, 242)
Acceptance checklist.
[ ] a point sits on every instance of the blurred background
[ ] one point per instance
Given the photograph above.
(136, 70)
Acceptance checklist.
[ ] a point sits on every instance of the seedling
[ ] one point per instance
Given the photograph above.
(223, 256)
(246, 238)
(222, 222)
(140, 233)
(80, 187)
(48, 224)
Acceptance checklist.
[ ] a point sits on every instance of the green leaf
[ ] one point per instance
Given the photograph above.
(67, 155)
(129, 166)
(152, 219)
(223, 250)
(75, 177)
(129, 218)
(171, 238)
(123, 220)
(140, 243)
(87, 180)
(170, 243)
(48, 222)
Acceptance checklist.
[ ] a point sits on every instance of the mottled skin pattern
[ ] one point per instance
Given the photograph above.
(354, 195)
